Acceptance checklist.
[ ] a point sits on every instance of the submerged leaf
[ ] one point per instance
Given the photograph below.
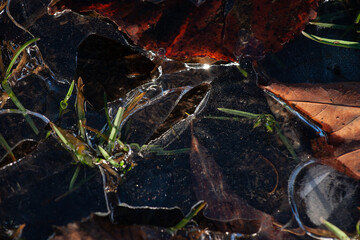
(223, 204)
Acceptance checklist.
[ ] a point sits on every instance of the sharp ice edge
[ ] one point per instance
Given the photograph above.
(302, 118)
(158, 98)
(208, 66)
(12, 149)
(16, 111)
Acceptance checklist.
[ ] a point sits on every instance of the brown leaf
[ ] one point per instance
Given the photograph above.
(335, 107)
(97, 228)
(232, 212)
(219, 29)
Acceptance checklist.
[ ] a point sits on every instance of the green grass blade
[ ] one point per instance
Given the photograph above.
(115, 128)
(337, 231)
(332, 42)
(267, 119)
(162, 152)
(64, 102)
(285, 141)
(136, 145)
(17, 103)
(242, 71)
(108, 157)
(17, 54)
(83, 181)
(358, 228)
(6, 146)
(194, 211)
(103, 152)
(106, 108)
(224, 118)
(61, 136)
(74, 177)
(332, 25)
(357, 19)
(239, 113)
(10, 92)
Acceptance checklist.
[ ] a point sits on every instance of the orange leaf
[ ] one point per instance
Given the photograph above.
(335, 107)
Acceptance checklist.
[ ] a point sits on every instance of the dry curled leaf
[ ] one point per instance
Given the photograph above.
(335, 107)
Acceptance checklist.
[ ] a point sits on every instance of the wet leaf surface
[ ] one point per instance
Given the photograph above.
(182, 29)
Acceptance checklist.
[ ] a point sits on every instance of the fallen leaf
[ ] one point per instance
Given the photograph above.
(224, 205)
(219, 29)
(335, 107)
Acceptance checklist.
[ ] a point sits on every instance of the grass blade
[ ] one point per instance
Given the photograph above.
(159, 151)
(75, 145)
(74, 177)
(10, 92)
(267, 119)
(242, 71)
(115, 128)
(108, 157)
(98, 133)
(64, 102)
(194, 211)
(337, 231)
(285, 141)
(106, 108)
(332, 42)
(83, 181)
(17, 54)
(17, 103)
(357, 19)
(133, 104)
(239, 113)
(332, 25)
(61, 136)
(224, 118)
(6, 146)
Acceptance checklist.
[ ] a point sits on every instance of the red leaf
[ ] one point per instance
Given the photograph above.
(215, 29)
(336, 108)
